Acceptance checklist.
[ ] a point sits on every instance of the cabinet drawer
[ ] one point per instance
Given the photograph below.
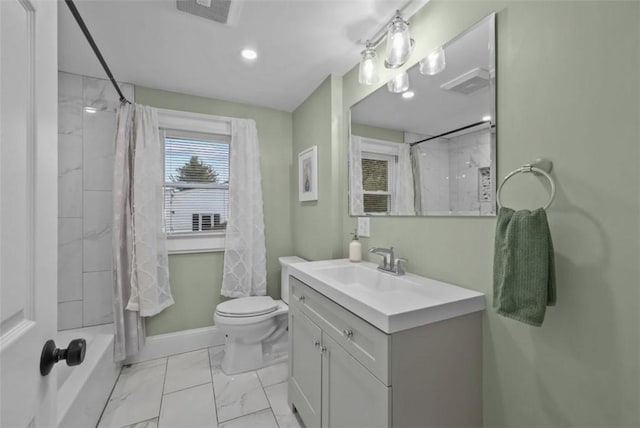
(363, 341)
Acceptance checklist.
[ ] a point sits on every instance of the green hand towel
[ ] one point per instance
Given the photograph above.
(523, 268)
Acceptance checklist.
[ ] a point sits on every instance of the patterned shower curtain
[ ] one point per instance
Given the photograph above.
(140, 260)
(245, 272)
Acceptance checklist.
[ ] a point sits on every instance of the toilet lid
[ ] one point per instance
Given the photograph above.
(247, 306)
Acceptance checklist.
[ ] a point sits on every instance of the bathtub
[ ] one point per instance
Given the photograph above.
(84, 390)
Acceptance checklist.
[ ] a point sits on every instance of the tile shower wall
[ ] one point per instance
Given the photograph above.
(86, 129)
(450, 169)
(434, 176)
(467, 154)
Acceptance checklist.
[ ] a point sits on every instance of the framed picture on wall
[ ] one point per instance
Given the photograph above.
(308, 174)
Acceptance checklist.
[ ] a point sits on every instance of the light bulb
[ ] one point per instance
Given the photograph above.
(434, 63)
(368, 74)
(399, 43)
(399, 83)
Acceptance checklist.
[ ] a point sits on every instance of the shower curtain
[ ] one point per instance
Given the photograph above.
(141, 274)
(417, 179)
(245, 272)
(403, 187)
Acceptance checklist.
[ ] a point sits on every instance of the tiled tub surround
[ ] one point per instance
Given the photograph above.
(450, 171)
(190, 390)
(86, 129)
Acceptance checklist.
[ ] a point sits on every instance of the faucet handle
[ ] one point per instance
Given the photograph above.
(399, 267)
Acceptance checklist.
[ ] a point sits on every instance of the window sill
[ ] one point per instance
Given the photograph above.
(195, 243)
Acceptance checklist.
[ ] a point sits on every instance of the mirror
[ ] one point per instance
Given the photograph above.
(430, 150)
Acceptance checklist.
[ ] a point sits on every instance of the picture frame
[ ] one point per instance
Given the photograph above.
(308, 174)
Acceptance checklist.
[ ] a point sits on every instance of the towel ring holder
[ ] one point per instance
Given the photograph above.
(539, 166)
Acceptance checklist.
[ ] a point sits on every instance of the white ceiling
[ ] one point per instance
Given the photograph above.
(151, 43)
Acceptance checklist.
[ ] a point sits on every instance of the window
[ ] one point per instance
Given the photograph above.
(196, 180)
(196, 169)
(379, 160)
(375, 184)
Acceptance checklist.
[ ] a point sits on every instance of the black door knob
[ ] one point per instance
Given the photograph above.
(74, 354)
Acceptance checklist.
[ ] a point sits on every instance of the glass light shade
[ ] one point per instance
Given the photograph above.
(368, 74)
(434, 63)
(399, 83)
(399, 44)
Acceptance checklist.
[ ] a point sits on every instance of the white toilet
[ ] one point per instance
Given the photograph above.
(255, 327)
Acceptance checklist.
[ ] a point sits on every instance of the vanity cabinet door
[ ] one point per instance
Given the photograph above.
(351, 395)
(305, 365)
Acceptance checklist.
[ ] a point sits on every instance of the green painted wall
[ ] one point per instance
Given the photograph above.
(377, 133)
(568, 90)
(196, 278)
(317, 225)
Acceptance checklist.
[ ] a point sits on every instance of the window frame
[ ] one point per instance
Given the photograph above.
(187, 122)
(387, 151)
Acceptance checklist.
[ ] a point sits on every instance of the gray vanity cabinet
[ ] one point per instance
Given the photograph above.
(351, 395)
(305, 363)
(329, 387)
(344, 372)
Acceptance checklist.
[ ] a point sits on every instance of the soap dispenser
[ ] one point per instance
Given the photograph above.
(355, 249)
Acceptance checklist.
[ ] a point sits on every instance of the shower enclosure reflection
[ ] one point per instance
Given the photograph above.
(430, 150)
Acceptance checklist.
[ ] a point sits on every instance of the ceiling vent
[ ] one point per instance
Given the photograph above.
(468, 82)
(222, 11)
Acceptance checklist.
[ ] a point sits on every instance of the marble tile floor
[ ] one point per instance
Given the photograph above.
(190, 390)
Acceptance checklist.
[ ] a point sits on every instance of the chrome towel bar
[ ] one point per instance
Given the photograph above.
(539, 166)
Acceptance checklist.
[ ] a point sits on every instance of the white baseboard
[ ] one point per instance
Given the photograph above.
(163, 345)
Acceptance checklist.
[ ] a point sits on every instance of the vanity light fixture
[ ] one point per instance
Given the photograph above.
(399, 42)
(434, 63)
(399, 83)
(249, 54)
(368, 73)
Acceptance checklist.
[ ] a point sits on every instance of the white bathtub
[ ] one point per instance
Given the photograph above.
(84, 390)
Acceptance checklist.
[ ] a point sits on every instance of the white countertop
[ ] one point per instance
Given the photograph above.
(390, 303)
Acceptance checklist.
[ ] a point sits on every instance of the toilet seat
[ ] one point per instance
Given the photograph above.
(251, 306)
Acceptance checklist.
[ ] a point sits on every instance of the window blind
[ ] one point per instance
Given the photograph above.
(375, 184)
(196, 187)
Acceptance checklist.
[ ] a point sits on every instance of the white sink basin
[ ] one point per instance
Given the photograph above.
(391, 303)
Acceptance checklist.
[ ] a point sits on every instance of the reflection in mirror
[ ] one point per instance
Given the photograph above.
(430, 150)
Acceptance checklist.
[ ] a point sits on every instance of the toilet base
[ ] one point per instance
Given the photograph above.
(241, 357)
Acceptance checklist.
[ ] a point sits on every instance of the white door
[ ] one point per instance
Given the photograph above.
(28, 209)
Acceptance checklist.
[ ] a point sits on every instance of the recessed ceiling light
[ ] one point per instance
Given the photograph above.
(249, 54)
(486, 118)
(408, 95)
(90, 110)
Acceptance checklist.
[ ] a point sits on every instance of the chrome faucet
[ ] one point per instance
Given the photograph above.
(389, 263)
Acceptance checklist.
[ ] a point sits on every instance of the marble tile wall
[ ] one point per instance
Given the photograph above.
(449, 173)
(467, 154)
(85, 167)
(434, 174)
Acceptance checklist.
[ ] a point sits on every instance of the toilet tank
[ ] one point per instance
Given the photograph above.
(285, 262)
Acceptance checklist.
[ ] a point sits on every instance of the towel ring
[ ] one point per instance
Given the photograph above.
(536, 167)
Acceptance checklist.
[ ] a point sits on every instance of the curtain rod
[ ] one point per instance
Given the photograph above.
(473, 125)
(87, 34)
